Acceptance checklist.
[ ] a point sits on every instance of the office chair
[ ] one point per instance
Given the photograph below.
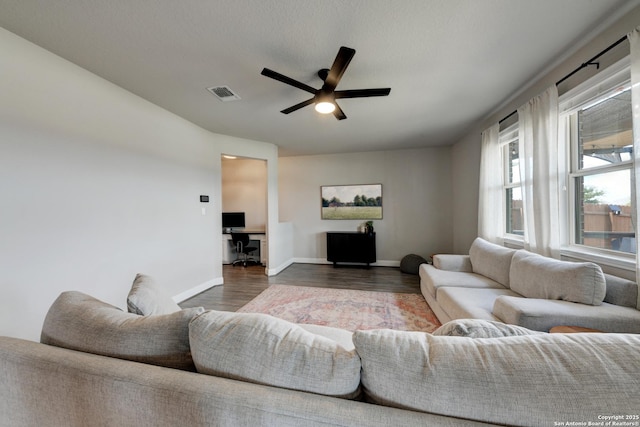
(241, 241)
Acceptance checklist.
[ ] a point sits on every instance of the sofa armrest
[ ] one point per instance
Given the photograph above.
(452, 262)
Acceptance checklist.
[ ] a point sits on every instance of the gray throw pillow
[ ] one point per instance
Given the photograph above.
(478, 328)
(537, 276)
(145, 298)
(491, 260)
(80, 322)
(266, 350)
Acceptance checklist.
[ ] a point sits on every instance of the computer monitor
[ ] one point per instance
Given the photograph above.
(232, 220)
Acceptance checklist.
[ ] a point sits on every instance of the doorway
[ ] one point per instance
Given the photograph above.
(244, 189)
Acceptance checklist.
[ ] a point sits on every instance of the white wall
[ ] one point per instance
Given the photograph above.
(416, 192)
(464, 210)
(96, 185)
(466, 153)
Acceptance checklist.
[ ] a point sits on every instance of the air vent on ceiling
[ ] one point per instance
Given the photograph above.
(223, 93)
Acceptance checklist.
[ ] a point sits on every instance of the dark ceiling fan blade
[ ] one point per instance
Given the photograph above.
(340, 64)
(288, 80)
(361, 93)
(298, 106)
(339, 113)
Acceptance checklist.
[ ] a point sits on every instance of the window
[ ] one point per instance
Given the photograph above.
(601, 146)
(514, 220)
(596, 141)
(595, 168)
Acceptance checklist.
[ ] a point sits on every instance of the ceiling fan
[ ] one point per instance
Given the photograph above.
(325, 97)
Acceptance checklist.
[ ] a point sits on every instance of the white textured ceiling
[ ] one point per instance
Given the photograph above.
(449, 63)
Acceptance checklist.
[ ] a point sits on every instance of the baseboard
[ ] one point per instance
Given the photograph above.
(311, 261)
(197, 289)
(280, 268)
(386, 263)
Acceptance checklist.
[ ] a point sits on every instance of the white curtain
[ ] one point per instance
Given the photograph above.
(490, 200)
(634, 42)
(538, 144)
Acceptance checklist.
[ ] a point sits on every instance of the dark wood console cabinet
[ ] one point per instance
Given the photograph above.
(351, 247)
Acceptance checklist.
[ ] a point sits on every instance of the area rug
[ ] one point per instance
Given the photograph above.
(344, 308)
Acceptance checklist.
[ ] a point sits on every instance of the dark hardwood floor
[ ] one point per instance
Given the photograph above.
(242, 284)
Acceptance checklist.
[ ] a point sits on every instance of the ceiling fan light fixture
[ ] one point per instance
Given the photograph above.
(325, 107)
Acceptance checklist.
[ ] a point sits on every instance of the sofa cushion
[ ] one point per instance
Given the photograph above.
(543, 314)
(478, 328)
(432, 279)
(621, 291)
(266, 350)
(463, 303)
(519, 380)
(342, 337)
(491, 260)
(145, 298)
(80, 322)
(536, 276)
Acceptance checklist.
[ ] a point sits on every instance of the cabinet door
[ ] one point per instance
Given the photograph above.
(351, 247)
(368, 247)
(336, 247)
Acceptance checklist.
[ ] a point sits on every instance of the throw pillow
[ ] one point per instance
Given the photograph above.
(478, 328)
(491, 260)
(537, 276)
(80, 322)
(146, 298)
(266, 350)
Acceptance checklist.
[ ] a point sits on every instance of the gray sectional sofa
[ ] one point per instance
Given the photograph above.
(161, 366)
(521, 288)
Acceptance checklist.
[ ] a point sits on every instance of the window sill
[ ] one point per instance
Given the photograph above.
(627, 263)
(610, 260)
(513, 242)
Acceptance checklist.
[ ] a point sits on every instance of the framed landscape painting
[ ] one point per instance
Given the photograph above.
(351, 201)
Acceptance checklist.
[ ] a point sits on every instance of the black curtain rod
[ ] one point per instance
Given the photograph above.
(583, 65)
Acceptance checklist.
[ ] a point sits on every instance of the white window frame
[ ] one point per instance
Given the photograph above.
(506, 137)
(612, 80)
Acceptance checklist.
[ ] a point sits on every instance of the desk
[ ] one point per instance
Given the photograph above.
(256, 238)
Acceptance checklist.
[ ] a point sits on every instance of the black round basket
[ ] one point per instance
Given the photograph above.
(410, 263)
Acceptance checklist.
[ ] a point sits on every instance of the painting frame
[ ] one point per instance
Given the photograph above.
(352, 201)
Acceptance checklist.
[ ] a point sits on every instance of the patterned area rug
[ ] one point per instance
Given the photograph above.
(346, 309)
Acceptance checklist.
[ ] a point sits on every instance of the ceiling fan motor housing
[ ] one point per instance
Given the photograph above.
(323, 73)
